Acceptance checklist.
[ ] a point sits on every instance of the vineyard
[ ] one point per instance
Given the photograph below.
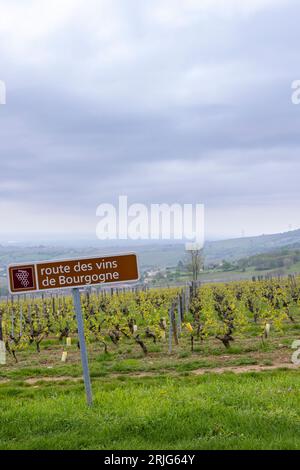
(153, 321)
(199, 367)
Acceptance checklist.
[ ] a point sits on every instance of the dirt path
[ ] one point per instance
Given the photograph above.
(4, 381)
(202, 371)
(33, 381)
(250, 368)
(215, 370)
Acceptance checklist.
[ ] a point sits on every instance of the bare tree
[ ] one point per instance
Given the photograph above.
(194, 262)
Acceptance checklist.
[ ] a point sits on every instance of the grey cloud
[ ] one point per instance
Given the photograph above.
(78, 129)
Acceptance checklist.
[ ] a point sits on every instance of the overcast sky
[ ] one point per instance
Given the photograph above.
(162, 100)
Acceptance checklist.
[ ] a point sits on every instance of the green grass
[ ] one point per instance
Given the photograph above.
(228, 411)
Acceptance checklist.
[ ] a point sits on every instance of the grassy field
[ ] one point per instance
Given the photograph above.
(242, 398)
(257, 410)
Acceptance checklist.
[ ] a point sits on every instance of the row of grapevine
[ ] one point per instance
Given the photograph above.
(222, 311)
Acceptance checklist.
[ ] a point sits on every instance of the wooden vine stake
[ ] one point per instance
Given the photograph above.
(173, 327)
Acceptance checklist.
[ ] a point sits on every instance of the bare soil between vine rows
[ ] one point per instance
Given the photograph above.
(201, 371)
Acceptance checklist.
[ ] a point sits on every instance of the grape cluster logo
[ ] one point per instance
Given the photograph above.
(23, 278)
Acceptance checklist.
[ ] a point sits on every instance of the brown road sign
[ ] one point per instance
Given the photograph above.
(62, 274)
